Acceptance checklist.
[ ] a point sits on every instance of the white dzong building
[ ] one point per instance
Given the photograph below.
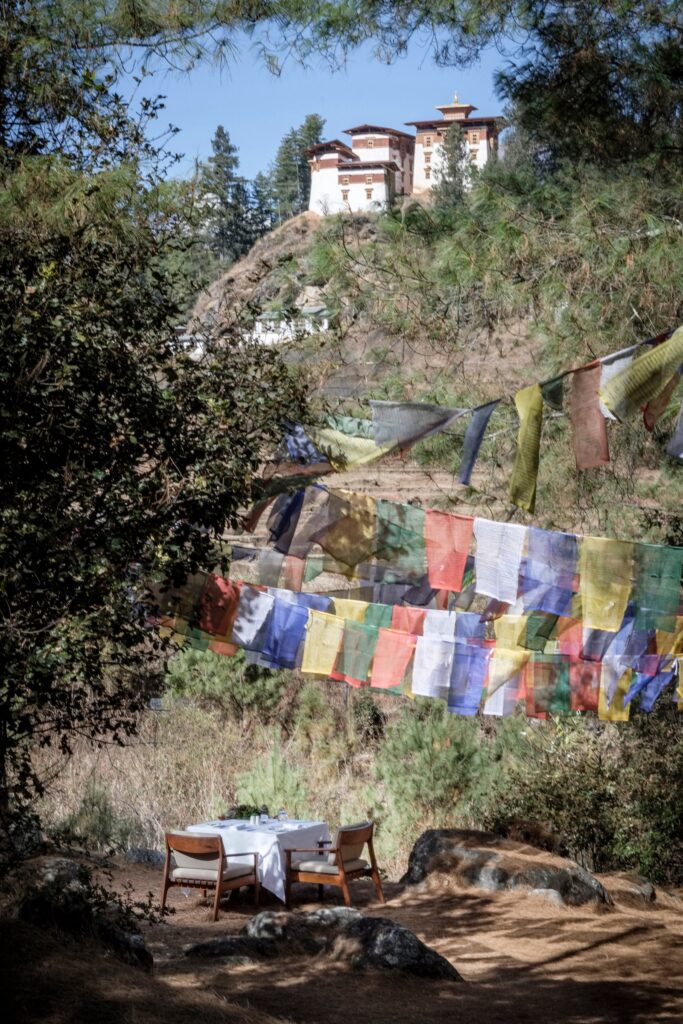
(383, 163)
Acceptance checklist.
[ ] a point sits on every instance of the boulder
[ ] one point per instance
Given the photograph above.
(490, 862)
(550, 895)
(234, 947)
(381, 943)
(59, 894)
(342, 932)
(145, 855)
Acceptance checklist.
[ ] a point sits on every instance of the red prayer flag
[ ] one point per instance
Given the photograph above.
(447, 540)
(408, 619)
(589, 431)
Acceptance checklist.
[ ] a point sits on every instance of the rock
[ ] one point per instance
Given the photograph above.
(441, 847)
(551, 895)
(493, 863)
(145, 855)
(379, 942)
(60, 895)
(234, 947)
(641, 887)
(342, 932)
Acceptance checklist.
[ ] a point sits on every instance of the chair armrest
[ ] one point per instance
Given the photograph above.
(304, 849)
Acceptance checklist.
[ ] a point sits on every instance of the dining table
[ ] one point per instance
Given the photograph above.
(269, 839)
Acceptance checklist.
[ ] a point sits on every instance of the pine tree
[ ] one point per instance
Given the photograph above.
(454, 175)
(227, 202)
(262, 214)
(291, 173)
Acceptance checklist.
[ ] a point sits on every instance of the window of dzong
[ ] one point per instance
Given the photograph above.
(368, 193)
(368, 179)
(428, 140)
(371, 143)
(428, 173)
(345, 195)
(345, 179)
(474, 138)
(428, 158)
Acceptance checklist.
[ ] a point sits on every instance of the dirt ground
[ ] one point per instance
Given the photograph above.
(522, 959)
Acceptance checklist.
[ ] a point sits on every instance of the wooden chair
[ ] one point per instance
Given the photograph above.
(338, 866)
(197, 861)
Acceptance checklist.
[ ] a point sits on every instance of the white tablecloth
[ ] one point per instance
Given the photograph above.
(268, 840)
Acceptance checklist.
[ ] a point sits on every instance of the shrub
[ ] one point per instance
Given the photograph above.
(241, 691)
(274, 782)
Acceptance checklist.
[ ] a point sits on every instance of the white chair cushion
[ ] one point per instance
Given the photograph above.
(207, 875)
(323, 867)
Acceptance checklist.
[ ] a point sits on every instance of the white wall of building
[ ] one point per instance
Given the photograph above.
(422, 182)
(358, 198)
(326, 197)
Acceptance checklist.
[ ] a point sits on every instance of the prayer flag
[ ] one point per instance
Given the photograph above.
(393, 654)
(548, 575)
(378, 615)
(645, 378)
(400, 537)
(323, 638)
(356, 654)
(468, 673)
(615, 682)
(432, 667)
(553, 392)
(498, 558)
(548, 685)
(474, 435)
(285, 632)
(589, 433)
(252, 614)
(405, 423)
(351, 611)
(657, 406)
(610, 366)
(675, 445)
(349, 532)
(529, 405)
(447, 538)
(657, 589)
(438, 622)
(407, 619)
(606, 569)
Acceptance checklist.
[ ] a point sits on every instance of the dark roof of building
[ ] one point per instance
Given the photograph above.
(362, 165)
(440, 122)
(336, 145)
(376, 129)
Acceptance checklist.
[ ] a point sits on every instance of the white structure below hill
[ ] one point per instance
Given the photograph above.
(383, 163)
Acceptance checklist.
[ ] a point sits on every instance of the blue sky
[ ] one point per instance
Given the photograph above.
(258, 108)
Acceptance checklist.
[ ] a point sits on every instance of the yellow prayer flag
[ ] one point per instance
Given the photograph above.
(606, 568)
(615, 711)
(503, 666)
(645, 378)
(323, 639)
(345, 608)
(529, 405)
(345, 452)
(510, 630)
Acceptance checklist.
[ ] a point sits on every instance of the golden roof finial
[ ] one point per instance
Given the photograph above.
(455, 97)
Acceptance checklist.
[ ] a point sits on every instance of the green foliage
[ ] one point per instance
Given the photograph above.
(453, 176)
(291, 175)
(95, 821)
(430, 762)
(367, 720)
(226, 201)
(276, 782)
(123, 459)
(243, 692)
(610, 795)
